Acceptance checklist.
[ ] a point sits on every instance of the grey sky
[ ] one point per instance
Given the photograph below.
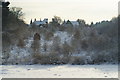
(89, 10)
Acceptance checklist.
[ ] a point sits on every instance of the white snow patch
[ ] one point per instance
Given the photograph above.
(64, 36)
(59, 71)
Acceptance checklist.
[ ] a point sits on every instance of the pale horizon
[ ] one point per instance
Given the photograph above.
(89, 10)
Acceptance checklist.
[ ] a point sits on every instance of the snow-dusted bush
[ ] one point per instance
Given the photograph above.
(77, 60)
(21, 43)
(48, 35)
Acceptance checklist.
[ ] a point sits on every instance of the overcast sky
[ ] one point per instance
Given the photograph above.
(89, 10)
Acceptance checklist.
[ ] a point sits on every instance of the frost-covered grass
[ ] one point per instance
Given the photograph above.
(59, 71)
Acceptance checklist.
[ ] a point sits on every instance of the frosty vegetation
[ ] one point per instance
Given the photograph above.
(59, 44)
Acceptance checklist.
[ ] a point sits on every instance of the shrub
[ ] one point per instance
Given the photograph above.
(21, 43)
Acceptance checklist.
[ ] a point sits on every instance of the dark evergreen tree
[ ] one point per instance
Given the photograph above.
(35, 19)
(31, 22)
(5, 13)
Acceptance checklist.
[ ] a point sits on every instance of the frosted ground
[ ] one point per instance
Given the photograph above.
(59, 71)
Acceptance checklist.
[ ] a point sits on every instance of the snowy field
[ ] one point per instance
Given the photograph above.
(59, 71)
